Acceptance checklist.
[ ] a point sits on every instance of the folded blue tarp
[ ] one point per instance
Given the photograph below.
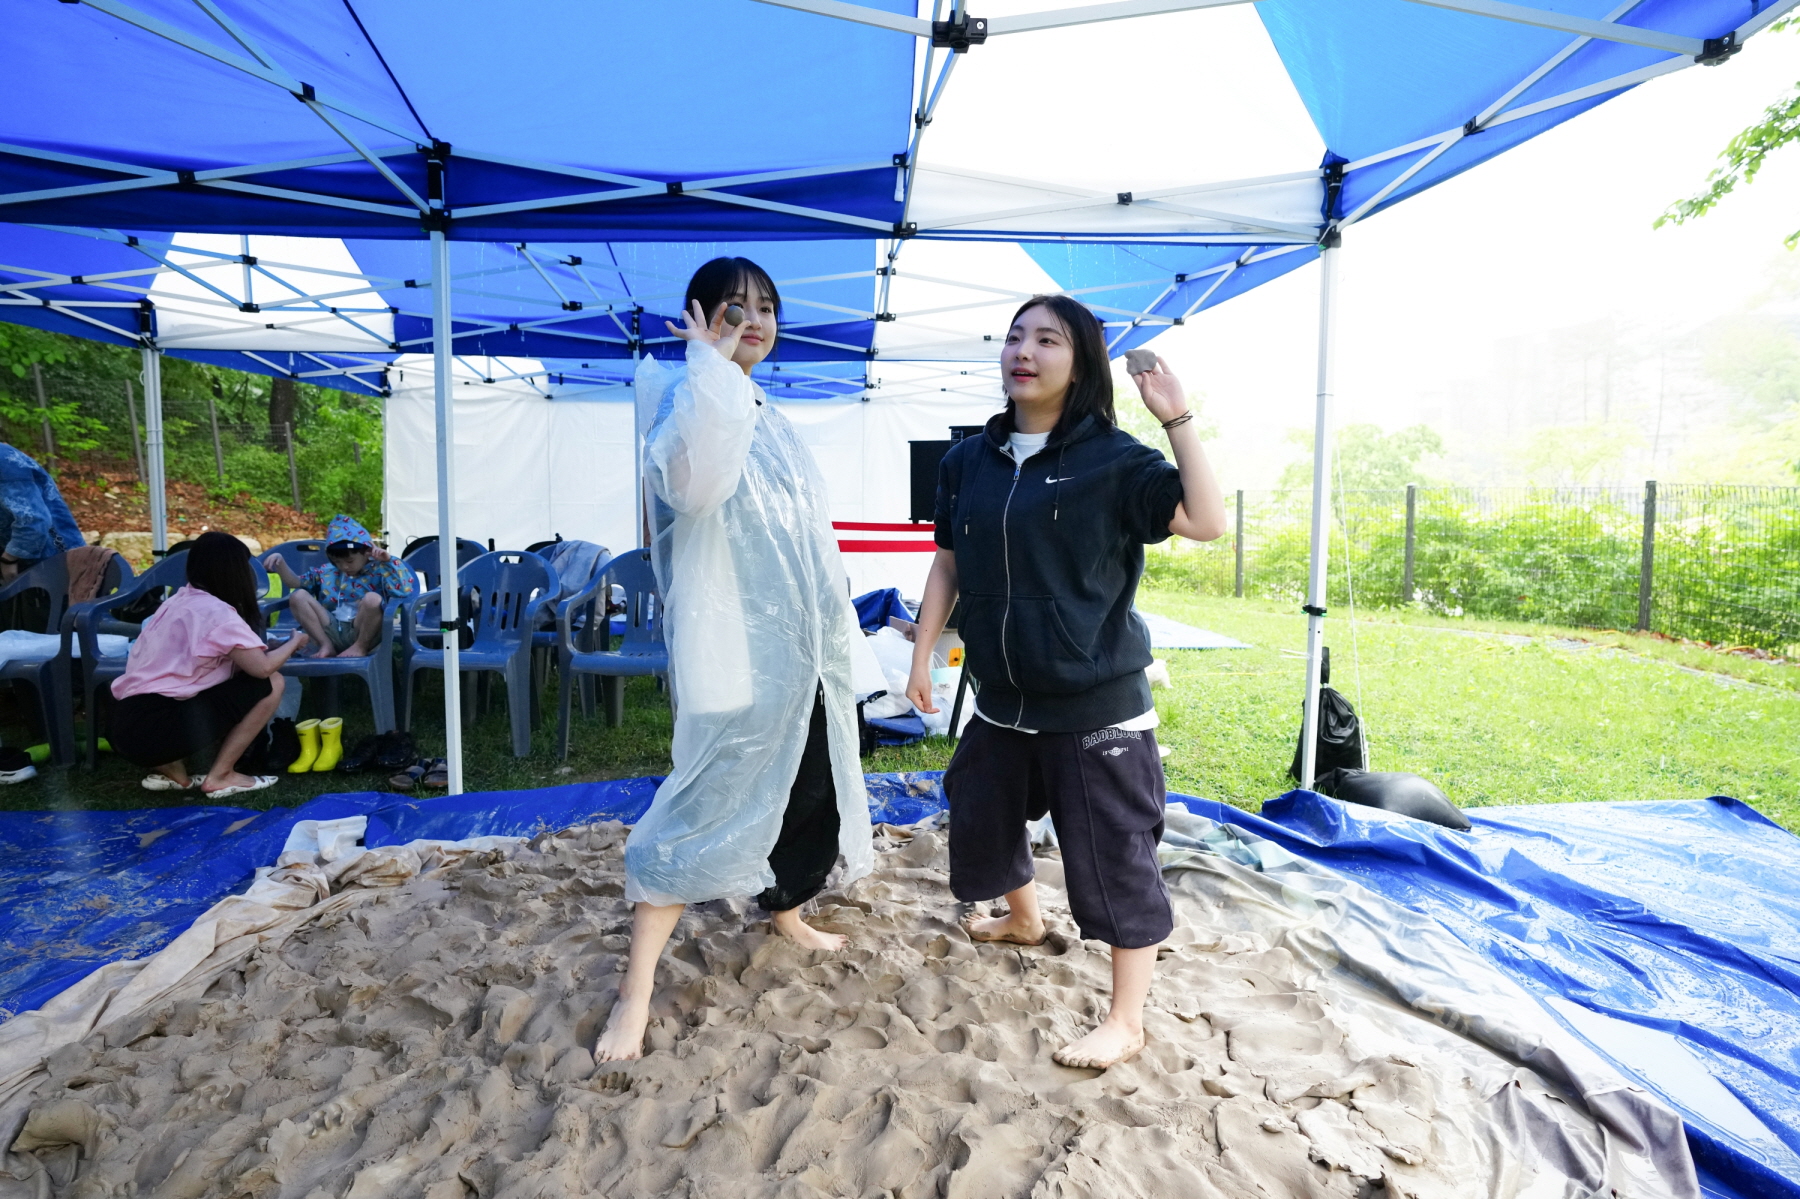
(1666, 935)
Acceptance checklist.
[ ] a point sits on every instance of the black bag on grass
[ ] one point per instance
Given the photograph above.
(1393, 791)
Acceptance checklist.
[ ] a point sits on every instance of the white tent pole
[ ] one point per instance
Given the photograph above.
(1321, 505)
(153, 449)
(447, 606)
(640, 516)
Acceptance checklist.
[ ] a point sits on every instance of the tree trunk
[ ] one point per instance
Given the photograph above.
(284, 405)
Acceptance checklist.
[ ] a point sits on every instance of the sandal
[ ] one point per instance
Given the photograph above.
(409, 778)
(156, 781)
(437, 773)
(259, 782)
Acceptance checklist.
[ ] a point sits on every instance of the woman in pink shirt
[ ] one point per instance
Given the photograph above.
(199, 675)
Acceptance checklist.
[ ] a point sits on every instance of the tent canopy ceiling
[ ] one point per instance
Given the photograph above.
(333, 311)
(323, 117)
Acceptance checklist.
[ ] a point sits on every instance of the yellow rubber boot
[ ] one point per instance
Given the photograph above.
(309, 747)
(331, 743)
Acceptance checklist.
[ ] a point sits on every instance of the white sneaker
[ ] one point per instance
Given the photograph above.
(8, 777)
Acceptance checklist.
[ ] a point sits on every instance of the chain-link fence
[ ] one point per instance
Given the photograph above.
(1714, 563)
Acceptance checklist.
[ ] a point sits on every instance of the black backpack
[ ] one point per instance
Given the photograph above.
(1340, 740)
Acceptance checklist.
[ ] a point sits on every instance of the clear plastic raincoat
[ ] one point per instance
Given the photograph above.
(757, 617)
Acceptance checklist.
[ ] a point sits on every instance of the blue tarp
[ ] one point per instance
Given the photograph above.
(1666, 935)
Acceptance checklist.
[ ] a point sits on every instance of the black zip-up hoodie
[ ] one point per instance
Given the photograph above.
(1048, 557)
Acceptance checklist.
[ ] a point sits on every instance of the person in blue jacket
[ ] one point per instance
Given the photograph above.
(35, 523)
(1041, 526)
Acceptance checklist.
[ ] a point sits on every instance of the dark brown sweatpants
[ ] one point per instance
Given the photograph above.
(1105, 790)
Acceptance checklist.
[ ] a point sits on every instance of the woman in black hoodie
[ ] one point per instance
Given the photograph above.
(1041, 526)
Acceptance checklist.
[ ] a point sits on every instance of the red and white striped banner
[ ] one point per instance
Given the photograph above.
(923, 540)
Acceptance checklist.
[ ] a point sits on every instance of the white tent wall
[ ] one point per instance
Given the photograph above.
(530, 467)
(527, 467)
(862, 451)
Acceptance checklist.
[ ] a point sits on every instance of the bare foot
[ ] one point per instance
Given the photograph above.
(218, 780)
(358, 650)
(325, 650)
(622, 1040)
(1007, 928)
(789, 925)
(1108, 1045)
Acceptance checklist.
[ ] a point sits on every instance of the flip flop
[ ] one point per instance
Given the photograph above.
(437, 773)
(262, 783)
(1005, 940)
(409, 778)
(162, 782)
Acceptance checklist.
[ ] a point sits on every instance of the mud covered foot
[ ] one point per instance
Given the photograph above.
(1108, 1045)
(789, 925)
(1008, 928)
(622, 1040)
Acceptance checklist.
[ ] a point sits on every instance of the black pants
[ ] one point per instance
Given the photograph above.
(151, 730)
(1104, 789)
(808, 846)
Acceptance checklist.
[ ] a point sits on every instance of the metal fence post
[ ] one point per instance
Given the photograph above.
(1237, 546)
(137, 444)
(37, 379)
(1647, 559)
(293, 471)
(1412, 513)
(212, 413)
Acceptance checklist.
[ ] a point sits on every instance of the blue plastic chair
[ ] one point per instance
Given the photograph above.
(52, 677)
(92, 619)
(506, 592)
(424, 559)
(642, 651)
(375, 669)
(577, 563)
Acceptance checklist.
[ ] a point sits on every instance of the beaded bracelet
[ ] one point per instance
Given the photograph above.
(1183, 419)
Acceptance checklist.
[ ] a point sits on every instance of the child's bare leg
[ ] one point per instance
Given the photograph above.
(789, 925)
(367, 625)
(312, 617)
(1121, 1034)
(1023, 923)
(623, 1037)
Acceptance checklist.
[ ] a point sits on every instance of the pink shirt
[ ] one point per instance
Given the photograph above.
(185, 647)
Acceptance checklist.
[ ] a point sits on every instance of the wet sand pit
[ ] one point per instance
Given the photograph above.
(432, 1039)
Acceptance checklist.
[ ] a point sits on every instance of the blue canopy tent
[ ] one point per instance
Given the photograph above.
(319, 118)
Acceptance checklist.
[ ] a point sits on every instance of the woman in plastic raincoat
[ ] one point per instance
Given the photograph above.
(767, 787)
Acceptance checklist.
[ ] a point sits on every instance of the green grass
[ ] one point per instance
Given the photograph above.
(1494, 713)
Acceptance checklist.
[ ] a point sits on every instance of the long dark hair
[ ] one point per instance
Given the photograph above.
(1090, 382)
(724, 277)
(219, 564)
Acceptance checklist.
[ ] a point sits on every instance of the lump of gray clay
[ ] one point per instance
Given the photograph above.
(1393, 791)
(734, 314)
(1139, 361)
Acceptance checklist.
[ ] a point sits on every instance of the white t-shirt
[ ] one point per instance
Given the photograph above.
(1022, 446)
